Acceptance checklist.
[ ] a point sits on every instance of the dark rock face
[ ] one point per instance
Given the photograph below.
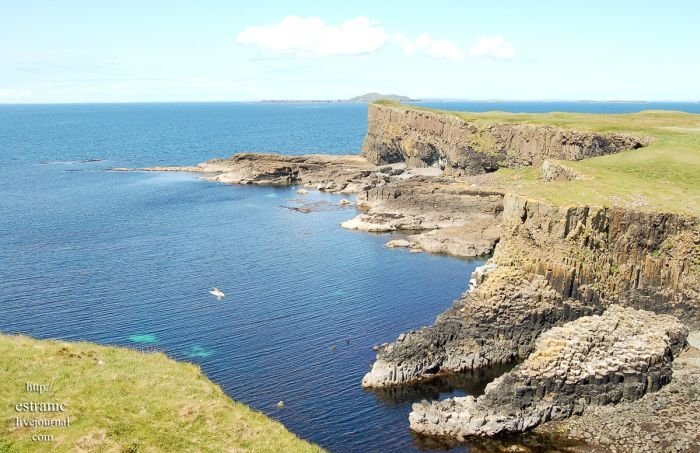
(593, 361)
(496, 323)
(429, 139)
(600, 256)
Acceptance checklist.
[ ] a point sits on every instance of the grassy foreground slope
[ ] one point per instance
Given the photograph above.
(664, 176)
(123, 400)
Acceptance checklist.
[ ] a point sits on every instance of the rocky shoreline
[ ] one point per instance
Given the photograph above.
(616, 357)
(595, 302)
(447, 216)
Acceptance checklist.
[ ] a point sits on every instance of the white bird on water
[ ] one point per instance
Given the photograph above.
(218, 293)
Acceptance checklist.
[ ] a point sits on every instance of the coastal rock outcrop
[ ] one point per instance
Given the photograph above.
(595, 360)
(473, 239)
(552, 294)
(452, 218)
(553, 265)
(495, 323)
(341, 173)
(423, 138)
(394, 197)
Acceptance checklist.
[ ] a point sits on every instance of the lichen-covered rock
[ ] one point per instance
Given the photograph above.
(595, 360)
(423, 138)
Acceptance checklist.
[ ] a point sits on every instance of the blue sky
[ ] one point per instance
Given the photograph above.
(99, 51)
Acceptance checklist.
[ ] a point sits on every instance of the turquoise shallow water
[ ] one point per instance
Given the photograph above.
(129, 258)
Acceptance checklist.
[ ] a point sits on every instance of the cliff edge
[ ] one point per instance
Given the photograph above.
(425, 138)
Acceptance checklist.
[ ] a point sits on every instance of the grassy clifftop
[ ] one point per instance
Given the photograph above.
(664, 176)
(118, 399)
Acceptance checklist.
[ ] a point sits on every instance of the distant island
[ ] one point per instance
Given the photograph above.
(365, 98)
(372, 97)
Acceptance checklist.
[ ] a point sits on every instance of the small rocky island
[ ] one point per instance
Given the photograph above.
(373, 97)
(593, 283)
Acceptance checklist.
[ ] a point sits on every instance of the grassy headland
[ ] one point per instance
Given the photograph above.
(119, 399)
(663, 176)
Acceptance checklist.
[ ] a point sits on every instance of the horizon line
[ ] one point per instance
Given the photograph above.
(347, 101)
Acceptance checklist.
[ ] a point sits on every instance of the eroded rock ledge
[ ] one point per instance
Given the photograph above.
(595, 360)
(422, 138)
(342, 173)
(663, 421)
(448, 216)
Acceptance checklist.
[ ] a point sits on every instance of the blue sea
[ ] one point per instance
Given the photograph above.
(128, 258)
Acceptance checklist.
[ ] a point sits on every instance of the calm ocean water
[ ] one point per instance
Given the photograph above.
(129, 258)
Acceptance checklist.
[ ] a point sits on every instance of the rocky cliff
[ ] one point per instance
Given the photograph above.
(599, 255)
(424, 138)
(553, 265)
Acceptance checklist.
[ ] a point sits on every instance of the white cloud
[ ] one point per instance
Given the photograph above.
(441, 48)
(313, 37)
(493, 46)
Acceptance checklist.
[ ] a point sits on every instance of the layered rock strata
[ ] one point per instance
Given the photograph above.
(595, 360)
(467, 241)
(423, 138)
(466, 220)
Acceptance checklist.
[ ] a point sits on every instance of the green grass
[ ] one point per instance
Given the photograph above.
(126, 401)
(664, 176)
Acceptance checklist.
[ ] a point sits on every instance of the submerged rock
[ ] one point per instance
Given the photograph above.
(596, 360)
(145, 338)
